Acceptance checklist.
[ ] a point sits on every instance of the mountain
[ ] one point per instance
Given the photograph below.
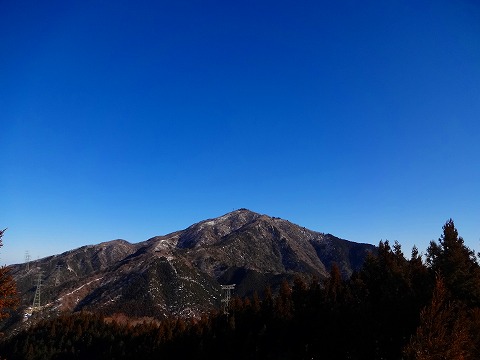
(181, 273)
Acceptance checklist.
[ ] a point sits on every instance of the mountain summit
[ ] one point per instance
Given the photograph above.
(181, 273)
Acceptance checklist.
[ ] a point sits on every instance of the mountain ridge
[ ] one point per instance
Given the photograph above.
(181, 273)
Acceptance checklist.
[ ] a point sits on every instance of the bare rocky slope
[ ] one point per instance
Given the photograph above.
(181, 273)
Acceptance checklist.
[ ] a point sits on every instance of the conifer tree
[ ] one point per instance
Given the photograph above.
(299, 295)
(457, 264)
(334, 285)
(443, 332)
(283, 303)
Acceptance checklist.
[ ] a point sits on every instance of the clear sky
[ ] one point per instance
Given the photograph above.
(130, 119)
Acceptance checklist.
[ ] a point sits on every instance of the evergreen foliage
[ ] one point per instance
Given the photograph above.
(457, 264)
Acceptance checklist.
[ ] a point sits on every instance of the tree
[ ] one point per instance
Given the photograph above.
(457, 265)
(387, 288)
(422, 282)
(8, 290)
(283, 303)
(443, 332)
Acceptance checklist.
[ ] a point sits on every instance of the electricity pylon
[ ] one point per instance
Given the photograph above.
(57, 274)
(227, 295)
(36, 299)
(27, 260)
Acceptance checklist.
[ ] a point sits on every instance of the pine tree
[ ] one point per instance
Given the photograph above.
(299, 295)
(256, 304)
(334, 285)
(421, 281)
(443, 332)
(284, 303)
(457, 264)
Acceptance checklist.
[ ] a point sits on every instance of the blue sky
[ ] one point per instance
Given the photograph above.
(130, 119)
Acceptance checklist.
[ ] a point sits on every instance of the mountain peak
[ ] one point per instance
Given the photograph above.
(210, 231)
(239, 213)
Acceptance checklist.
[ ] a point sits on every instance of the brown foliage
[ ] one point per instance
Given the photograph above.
(8, 290)
(443, 332)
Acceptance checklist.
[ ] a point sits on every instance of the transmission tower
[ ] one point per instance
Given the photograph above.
(57, 274)
(27, 260)
(227, 295)
(36, 299)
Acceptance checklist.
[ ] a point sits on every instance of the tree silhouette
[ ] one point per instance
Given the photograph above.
(334, 285)
(457, 265)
